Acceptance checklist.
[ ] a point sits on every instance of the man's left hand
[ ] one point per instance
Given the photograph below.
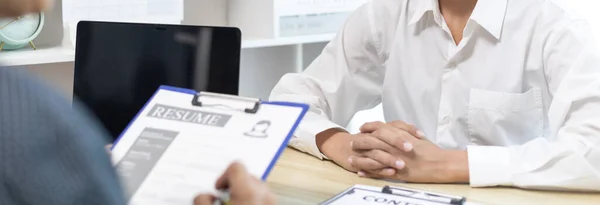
(424, 163)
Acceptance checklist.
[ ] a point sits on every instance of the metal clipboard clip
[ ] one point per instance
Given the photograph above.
(422, 195)
(231, 102)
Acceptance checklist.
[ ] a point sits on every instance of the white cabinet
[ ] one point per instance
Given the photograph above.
(289, 18)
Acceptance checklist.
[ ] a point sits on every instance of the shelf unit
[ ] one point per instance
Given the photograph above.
(55, 41)
(276, 56)
(43, 55)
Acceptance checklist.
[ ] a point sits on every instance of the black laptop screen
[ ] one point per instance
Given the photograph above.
(119, 66)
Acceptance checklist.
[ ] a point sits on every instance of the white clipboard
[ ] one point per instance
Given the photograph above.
(182, 141)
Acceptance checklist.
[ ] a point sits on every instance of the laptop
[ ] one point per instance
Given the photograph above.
(119, 66)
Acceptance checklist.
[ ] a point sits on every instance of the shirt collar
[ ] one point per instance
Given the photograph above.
(422, 7)
(489, 14)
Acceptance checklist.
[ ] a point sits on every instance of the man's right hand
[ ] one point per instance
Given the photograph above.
(342, 147)
(244, 189)
(337, 145)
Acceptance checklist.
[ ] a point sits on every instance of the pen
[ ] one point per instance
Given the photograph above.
(434, 197)
(222, 198)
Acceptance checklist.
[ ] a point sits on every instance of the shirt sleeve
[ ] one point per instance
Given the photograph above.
(570, 157)
(347, 77)
(51, 152)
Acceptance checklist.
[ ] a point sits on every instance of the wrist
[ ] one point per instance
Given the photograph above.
(335, 144)
(329, 141)
(457, 166)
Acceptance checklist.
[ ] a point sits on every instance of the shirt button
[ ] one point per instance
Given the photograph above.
(446, 120)
(452, 66)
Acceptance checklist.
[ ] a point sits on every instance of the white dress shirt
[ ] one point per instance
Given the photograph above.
(521, 91)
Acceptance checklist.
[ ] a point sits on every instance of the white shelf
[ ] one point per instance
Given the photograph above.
(260, 43)
(49, 55)
(43, 55)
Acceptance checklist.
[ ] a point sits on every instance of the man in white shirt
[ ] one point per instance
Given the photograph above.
(500, 93)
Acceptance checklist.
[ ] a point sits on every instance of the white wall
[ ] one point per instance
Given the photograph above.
(205, 12)
(589, 9)
(261, 69)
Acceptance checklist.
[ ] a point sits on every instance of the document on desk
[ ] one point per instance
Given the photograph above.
(368, 195)
(175, 149)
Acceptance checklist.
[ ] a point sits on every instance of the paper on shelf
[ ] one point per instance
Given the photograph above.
(312, 17)
(302, 7)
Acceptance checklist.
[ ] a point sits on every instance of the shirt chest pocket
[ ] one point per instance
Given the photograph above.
(498, 118)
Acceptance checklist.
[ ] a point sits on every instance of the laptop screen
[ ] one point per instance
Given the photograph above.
(119, 66)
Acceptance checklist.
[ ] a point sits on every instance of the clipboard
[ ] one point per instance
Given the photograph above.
(360, 194)
(163, 119)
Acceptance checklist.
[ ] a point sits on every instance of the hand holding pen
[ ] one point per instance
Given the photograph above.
(243, 189)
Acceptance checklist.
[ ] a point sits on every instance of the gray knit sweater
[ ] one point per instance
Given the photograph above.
(50, 152)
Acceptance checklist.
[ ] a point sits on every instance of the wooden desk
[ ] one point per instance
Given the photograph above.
(302, 179)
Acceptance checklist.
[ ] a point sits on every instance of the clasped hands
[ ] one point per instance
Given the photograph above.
(397, 151)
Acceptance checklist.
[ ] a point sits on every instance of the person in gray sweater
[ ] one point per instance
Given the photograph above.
(50, 151)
